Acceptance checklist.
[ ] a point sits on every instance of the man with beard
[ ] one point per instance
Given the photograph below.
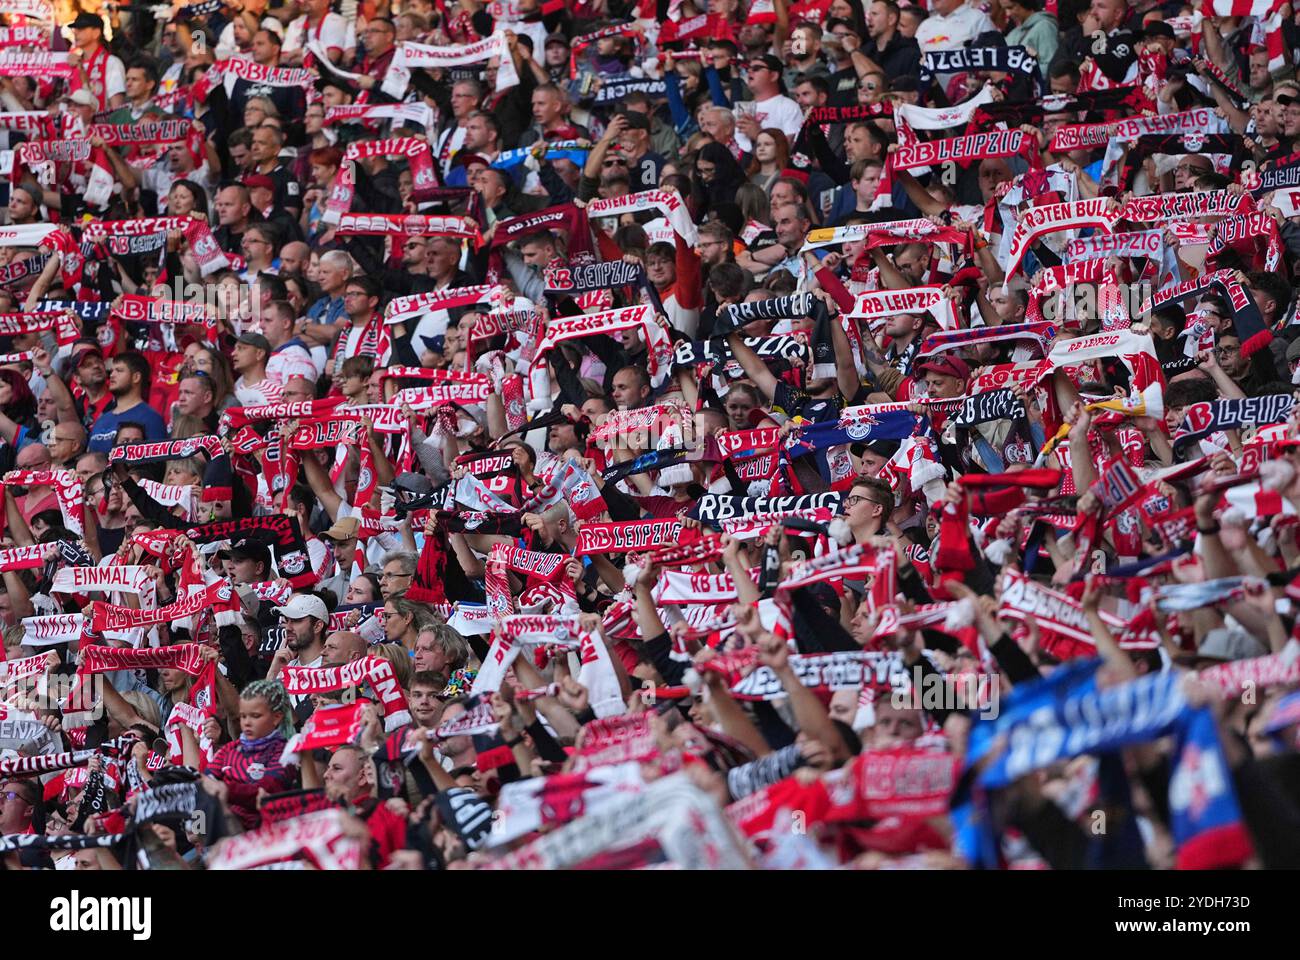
(194, 398)
(306, 621)
(128, 383)
(350, 778)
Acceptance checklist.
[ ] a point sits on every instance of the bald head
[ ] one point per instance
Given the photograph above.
(294, 257)
(342, 647)
(34, 456)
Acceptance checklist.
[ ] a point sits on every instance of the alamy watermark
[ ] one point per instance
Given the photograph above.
(934, 692)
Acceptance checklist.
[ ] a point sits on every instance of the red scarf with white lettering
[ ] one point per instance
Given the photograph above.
(376, 671)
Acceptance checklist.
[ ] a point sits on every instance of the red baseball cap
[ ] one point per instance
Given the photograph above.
(253, 180)
(81, 351)
(947, 366)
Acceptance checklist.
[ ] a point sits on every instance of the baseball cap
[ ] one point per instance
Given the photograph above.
(255, 340)
(252, 180)
(947, 366)
(85, 21)
(881, 448)
(557, 38)
(344, 528)
(251, 548)
(82, 351)
(636, 120)
(465, 159)
(416, 483)
(770, 61)
(301, 605)
(83, 98)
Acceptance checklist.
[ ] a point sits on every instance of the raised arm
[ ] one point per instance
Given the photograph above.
(753, 364)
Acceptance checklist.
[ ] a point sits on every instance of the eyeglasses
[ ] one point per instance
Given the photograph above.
(393, 576)
(13, 795)
(854, 500)
(355, 293)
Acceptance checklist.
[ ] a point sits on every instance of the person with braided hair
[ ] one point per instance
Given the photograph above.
(251, 764)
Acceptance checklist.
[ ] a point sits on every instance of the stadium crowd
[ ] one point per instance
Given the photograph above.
(591, 433)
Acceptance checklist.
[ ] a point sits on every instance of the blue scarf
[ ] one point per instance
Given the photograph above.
(1065, 715)
(253, 746)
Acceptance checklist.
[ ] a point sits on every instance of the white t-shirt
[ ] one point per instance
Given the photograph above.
(937, 32)
(226, 46)
(255, 395)
(291, 362)
(331, 32)
(159, 179)
(780, 112)
(114, 78)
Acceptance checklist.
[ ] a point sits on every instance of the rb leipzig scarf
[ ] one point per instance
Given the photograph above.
(1065, 630)
(1054, 217)
(1075, 136)
(186, 657)
(791, 348)
(403, 309)
(52, 629)
(1040, 332)
(146, 134)
(666, 202)
(1202, 419)
(642, 318)
(976, 59)
(1067, 714)
(218, 597)
(376, 671)
(714, 508)
(632, 536)
(327, 727)
(1163, 207)
(450, 386)
(67, 490)
(290, 551)
(408, 225)
(322, 839)
(23, 558)
(1246, 318)
(962, 150)
(39, 64)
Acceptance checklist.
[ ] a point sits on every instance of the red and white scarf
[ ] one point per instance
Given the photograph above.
(67, 491)
(1054, 217)
(186, 657)
(322, 838)
(376, 671)
(219, 597)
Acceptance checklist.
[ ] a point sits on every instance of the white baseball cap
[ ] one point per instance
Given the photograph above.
(301, 605)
